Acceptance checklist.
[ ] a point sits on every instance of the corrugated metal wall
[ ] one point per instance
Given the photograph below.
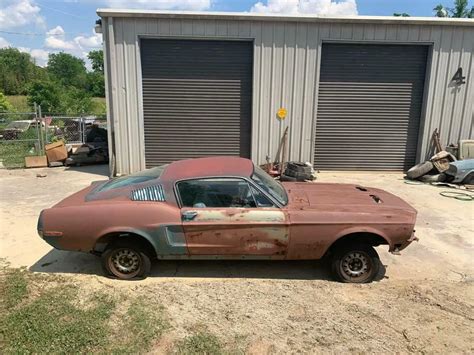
(286, 70)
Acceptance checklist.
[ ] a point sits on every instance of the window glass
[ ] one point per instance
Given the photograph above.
(142, 176)
(261, 199)
(220, 192)
(270, 185)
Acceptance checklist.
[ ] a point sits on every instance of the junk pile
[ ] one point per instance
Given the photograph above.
(288, 171)
(94, 151)
(445, 168)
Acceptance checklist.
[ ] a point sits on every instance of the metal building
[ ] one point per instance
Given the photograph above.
(361, 93)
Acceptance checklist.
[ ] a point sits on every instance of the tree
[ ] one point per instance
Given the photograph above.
(5, 106)
(96, 84)
(96, 80)
(460, 10)
(67, 69)
(75, 101)
(45, 93)
(17, 70)
(403, 14)
(97, 60)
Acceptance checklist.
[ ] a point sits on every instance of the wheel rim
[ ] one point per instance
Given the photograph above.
(125, 262)
(356, 266)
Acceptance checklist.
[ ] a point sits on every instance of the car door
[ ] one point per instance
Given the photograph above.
(230, 217)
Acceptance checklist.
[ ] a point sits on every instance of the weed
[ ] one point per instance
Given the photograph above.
(47, 314)
(200, 343)
(14, 287)
(142, 323)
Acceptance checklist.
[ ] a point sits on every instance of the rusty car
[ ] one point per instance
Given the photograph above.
(228, 208)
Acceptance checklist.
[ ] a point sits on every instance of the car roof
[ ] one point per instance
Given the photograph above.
(208, 167)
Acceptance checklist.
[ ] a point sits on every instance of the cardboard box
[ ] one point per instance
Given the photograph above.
(56, 151)
(36, 161)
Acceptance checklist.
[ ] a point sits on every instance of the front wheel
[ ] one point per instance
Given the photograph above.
(355, 264)
(126, 261)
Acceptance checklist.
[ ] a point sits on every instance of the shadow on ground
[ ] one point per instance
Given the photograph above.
(57, 261)
(96, 169)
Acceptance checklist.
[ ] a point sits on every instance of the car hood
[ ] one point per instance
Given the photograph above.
(344, 197)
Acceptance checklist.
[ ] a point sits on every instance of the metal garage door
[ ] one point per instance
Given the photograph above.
(196, 98)
(369, 107)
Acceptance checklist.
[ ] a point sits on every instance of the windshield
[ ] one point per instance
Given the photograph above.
(270, 185)
(18, 125)
(133, 179)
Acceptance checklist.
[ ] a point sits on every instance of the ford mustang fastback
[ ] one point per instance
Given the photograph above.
(228, 208)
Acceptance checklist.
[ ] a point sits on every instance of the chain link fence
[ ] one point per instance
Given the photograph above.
(25, 134)
(20, 136)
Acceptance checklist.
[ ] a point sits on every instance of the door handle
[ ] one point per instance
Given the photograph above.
(188, 215)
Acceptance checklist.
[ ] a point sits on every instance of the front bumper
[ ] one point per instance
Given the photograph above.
(402, 246)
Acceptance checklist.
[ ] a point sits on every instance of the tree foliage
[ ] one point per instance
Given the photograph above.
(75, 101)
(460, 10)
(67, 69)
(5, 106)
(17, 70)
(45, 93)
(64, 86)
(97, 60)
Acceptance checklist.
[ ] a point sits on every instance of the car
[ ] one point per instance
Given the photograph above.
(16, 128)
(228, 208)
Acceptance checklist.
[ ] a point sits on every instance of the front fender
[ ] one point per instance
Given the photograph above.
(360, 230)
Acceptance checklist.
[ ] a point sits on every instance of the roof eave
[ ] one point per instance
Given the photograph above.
(247, 16)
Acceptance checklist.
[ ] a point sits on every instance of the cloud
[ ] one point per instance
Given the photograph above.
(56, 39)
(39, 55)
(316, 7)
(79, 46)
(4, 43)
(192, 5)
(18, 13)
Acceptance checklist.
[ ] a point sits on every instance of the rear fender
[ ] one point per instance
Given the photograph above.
(165, 240)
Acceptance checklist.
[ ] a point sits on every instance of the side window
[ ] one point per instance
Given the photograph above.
(221, 192)
(261, 199)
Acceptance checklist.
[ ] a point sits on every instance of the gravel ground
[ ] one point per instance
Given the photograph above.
(423, 303)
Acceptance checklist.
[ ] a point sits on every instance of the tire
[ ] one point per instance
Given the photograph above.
(125, 261)
(352, 263)
(298, 167)
(284, 177)
(433, 178)
(297, 175)
(469, 179)
(419, 170)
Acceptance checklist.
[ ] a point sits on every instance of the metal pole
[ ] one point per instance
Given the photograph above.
(38, 132)
(46, 129)
(41, 135)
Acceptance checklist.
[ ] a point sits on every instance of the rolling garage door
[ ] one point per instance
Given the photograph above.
(196, 98)
(369, 106)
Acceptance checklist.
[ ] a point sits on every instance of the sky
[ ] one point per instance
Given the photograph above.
(40, 27)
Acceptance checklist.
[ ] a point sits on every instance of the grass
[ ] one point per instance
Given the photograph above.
(12, 154)
(48, 314)
(19, 103)
(99, 107)
(200, 343)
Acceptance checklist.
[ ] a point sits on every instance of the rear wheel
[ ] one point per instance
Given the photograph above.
(355, 263)
(126, 261)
